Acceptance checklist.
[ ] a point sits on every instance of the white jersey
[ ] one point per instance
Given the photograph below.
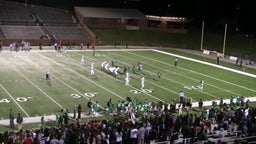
(65, 51)
(106, 66)
(47, 72)
(116, 70)
(82, 59)
(127, 78)
(142, 82)
(102, 65)
(92, 69)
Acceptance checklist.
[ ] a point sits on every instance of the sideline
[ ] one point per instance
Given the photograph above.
(207, 63)
(28, 120)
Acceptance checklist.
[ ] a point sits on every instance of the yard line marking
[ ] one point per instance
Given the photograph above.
(76, 63)
(32, 62)
(214, 65)
(37, 87)
(14, 100)
(172, 81)
(149, 81)
(207, 63)
(125, 50)
(74, 89)
(82, 76)
(121, 81)
(183, 76)
(29, 60)
(198, 72)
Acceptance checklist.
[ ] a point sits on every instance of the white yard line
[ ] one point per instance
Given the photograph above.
(207, 63)
(37, 87)
(180, 75)
(82, 76)
(110, 76)
(52, 76)
(167, 79)
(151, 82)
(14, 100)
(37, 119)
(200, 73)
(214, 65)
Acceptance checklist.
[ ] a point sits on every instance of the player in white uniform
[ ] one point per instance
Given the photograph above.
(116, 71)
(47, 74)
(201, 87)
(82, 59)
(92, 69)
(102, 65)
(127, 78)
(142, 82)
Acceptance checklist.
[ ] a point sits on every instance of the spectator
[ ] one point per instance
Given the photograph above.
(141, 134)
(79, 111)
(28, 139)
(11, 117)
(19, 121)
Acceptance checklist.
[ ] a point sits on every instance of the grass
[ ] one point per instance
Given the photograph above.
(238, 45)
(25, 90)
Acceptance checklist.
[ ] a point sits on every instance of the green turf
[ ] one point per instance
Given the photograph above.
(235, 44)
(23, 80)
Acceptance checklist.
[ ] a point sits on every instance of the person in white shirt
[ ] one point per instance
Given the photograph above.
(92, 69)
(102, 65)
(47, 74)
(134, 135)
(127, 78)
(82, 59)
(142, 82)
(119, 136)
(181, 95)
(116, 71)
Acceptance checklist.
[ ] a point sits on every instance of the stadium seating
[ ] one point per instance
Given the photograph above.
(39, 25)
(67, 32)
(15, 13)
(53, 16)
(25, 32)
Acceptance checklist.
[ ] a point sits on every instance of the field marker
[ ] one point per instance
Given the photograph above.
(104, 74)
(84, 77)
(218, 66)
(181, 75)
(200, 73)
(37, 87)
(14, 100)
(155, 85)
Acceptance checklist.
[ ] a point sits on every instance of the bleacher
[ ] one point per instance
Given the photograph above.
(39, 25)
(15, 14)
(25, 32)
(52, 16)
(67, 32)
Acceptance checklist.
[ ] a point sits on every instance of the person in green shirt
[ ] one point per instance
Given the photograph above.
(42, 125)
(57, 120)
(74, 112)
(221, 103)
(159, 74)
(96, 106)
(202, 82)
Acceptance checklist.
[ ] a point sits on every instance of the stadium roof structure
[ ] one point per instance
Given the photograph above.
(94, 12)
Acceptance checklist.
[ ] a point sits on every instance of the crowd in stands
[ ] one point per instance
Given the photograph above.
(159, 122)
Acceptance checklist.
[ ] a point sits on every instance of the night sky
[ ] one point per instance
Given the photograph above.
(239, 14)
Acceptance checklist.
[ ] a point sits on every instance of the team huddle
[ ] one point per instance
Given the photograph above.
(114, 70)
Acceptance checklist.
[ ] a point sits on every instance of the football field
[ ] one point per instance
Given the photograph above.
(24, 88)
